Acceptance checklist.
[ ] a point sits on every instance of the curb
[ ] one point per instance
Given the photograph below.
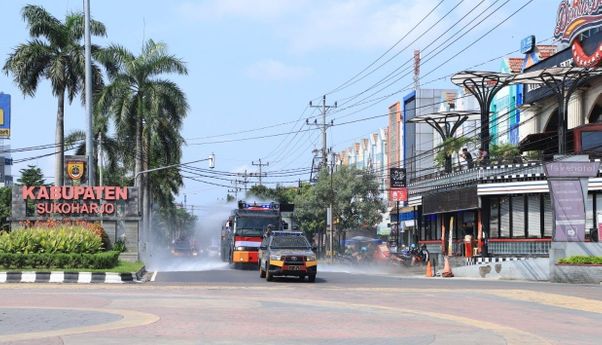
(73, 277)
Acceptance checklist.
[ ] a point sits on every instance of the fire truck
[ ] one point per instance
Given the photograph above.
(243, 232)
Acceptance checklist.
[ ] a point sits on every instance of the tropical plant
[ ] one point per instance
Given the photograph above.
(447, 149)
(354, 194)
(55, 52)
(504, 153)
(5, 207)
(31, 176)
(150, 109)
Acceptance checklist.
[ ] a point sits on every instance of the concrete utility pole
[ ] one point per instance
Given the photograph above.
(88, 95)
(260, 165)
(324, 164)
(245, 180)
(235, 190)
(323, 126)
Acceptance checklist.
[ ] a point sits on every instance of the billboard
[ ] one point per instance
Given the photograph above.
(4, 116)
(568, 181)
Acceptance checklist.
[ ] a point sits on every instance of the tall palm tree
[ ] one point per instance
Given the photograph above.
(54, 52)
(148, 108)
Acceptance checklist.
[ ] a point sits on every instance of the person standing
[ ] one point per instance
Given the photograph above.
(483, 158)
(467, 157)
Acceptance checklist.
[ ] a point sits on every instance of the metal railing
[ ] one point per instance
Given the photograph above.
(519, 248)
(434, 182)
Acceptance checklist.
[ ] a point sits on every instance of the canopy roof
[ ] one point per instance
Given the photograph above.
(484, 77)
(555, 73)
(443, 116)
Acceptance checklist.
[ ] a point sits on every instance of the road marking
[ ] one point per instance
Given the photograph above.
(130, 318)
(511, 335)
(154, 276)
(555, 300)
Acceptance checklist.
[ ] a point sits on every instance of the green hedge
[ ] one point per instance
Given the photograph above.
(66, 239)
(59, 260)
(596, 260)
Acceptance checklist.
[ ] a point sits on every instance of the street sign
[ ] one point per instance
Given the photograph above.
(398, 194)
(397, 177)
(4, 115)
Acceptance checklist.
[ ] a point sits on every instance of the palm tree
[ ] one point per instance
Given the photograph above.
(449, 147)
(55, 52)
(149, 109)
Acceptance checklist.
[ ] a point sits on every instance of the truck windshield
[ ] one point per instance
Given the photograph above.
(255, 226)
(289, 242)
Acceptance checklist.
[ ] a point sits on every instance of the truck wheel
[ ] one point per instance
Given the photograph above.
(312, 278)
(302, 277)
(261, 272)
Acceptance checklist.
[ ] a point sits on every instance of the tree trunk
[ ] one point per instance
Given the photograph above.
(448, 163)
(138, 149)
(59, 139)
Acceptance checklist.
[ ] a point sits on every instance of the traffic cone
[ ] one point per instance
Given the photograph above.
(429, 269)
(447, 271)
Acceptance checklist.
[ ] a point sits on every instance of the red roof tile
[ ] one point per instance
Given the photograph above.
(546, 50)
(515, 64)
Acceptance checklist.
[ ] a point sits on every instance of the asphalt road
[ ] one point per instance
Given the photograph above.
(224, 306)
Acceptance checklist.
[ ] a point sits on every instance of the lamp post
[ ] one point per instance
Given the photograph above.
(483, 85)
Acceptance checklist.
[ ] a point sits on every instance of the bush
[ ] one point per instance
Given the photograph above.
(584, 260)
(59, 260)
(66, 238)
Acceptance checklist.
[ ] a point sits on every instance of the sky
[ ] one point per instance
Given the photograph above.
(254, 65)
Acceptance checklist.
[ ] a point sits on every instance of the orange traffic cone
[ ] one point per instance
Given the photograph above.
(429, 269)
(447, 271)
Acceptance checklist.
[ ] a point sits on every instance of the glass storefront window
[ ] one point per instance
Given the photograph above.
(547, 216)
(518, 216)
(505, 217)
(534, 215)
(494, 218)
(589, 214)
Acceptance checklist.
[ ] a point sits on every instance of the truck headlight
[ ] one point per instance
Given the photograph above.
(310, 258)
(275, 257)
(240, 248)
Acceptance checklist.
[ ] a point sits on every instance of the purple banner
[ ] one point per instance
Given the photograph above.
(569, 210)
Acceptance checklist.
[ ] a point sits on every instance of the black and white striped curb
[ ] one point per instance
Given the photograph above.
(71, 277)
(482, 261)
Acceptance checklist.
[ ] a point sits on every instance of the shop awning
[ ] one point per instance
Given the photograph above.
(403, 216)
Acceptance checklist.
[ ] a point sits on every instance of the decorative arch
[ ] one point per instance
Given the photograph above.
(594, 112)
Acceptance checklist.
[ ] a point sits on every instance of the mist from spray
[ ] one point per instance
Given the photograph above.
(206, 235)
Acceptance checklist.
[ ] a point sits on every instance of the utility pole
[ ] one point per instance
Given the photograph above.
(235, 190)
(260, 165)
(244, 175)
(324, 127)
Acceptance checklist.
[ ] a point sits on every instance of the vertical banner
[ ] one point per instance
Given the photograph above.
(4, 116)
(397, 179)
(568, 183)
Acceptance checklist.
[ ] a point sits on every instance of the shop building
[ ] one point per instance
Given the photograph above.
(504, 207)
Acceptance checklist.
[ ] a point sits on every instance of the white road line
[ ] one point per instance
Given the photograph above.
(154, 276)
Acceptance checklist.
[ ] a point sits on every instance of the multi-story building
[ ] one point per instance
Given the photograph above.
(506, 205)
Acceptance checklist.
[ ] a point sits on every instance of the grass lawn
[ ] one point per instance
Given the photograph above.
(122, 267)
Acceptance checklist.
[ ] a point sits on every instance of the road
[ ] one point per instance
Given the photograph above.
(224, 306)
